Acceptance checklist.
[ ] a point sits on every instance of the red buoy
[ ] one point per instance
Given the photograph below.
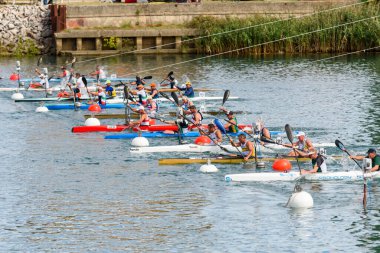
(13, 77)
(202, 140)
(282, 165)
(94, 108)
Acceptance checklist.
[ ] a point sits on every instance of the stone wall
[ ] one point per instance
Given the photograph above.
(25, 29)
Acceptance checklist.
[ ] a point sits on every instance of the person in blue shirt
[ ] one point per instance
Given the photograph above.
(189, 91)
(110, 91)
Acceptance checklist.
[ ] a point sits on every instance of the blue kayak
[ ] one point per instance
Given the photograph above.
(57, 80)
(82, 106)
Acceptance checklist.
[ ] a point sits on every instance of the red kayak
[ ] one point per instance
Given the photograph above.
(120, 128)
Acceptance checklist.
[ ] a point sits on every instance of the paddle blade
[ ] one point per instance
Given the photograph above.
(340, 145)
(170, 73)
(39, 61)
(84, 81)
(225, 96)
(289, 133)
(175, 97)
(73, 62)
(164, 95)
(148, 77)
(220, 126)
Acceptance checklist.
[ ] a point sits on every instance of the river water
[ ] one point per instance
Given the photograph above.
(62, 192)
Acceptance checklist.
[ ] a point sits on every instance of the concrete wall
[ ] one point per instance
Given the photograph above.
(118, 15)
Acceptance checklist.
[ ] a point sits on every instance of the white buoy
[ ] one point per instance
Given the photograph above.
(140, 142)
(92, 122)
(17, 95)
(78, 104)
(42, 108)
(300, 199)
(208, 168)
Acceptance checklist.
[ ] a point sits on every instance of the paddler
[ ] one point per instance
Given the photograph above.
(304, 146)
(65, 76)
(231, 125)
(151, 106)
(153, 91)
(44, 82)
(248, 150)
(140, 92)
(186, 103)
(79, 86)
(110, 91)
(196, 117)
(214, 134)
(318, 162)
(100, 96)
(171, 81)
(144, 118)
(98, 73)
(189, 91)
(139, 81)
(371, 153)
(263, 132)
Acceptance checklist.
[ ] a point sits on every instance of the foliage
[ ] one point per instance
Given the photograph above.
(26, 47)
(256, 33)
(109, 43)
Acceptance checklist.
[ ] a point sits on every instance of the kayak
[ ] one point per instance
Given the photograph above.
(221, 159)
(90, 88)
(162, 135)
(89, 79)
(135, 115)
(120, 128)
(291, 176)
(82, 106)
(164, 100)
(193, 148)
(157, 135)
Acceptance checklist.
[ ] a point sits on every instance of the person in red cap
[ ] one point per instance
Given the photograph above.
(371, 153)
(153, 92)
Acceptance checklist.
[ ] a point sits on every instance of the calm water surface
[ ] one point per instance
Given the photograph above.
(61, 192)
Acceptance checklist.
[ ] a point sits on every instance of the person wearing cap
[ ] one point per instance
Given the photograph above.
(110, 91)
(144, 118)
(263, 132)
(247, 147)
(189, 91)
(303, 146)
(214, 134)
(372, 154)
(318, 162)
(153, 91)
(196, 117)
(79, 87)
(100, 96)
(140, 92)
(231, 125)
(98, 73)
(65, 76)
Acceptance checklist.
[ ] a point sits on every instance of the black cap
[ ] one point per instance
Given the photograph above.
(371, 150)
(230, 113)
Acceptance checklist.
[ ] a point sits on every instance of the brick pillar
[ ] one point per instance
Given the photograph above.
(138, 43)
(79, 44)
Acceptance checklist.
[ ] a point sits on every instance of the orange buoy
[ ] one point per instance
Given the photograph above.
(13, 77)
(94, 108)
(282, 165)
(152, 122)
(202, 140)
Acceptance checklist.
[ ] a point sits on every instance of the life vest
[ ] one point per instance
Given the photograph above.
(303, 145)
(232, 128)
(245, 149)
(155, 96)
(145, 122)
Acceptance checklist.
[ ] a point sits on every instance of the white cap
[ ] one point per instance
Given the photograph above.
(300, 134)
(141, 107)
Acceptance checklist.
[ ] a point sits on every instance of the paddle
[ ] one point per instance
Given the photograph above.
(70, 78)
(18, 68)
(289, 134)
(169, 74)
(121, 84)
(223, 130)
(175, 98)
(225, 96)
(84, 80)
(340, 145)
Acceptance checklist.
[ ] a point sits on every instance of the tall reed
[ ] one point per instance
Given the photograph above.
(348, 38)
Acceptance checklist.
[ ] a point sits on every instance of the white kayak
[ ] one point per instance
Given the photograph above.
(162, 100)
(192, 148)
(316, 145)
(291, 176)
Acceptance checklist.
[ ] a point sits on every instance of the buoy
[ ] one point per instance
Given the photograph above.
(92, 122)
(94, 108)
(13, 77)
(17, 95)
(42, 108)
(140, 142)
(202, 140)
(208, 168)
(78, 104)
(300, 199)
(282, 165)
